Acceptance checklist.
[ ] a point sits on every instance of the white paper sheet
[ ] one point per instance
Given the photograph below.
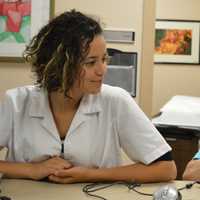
(182, 111)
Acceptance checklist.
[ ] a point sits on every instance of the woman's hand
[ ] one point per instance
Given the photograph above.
(48, 167)
(72, 175)
(134, 172)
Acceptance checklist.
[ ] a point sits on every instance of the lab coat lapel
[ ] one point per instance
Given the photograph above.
(49, 124)
(79, 119)
(89, 106)
(39, 108)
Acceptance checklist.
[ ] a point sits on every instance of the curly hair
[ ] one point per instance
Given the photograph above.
(58, 50)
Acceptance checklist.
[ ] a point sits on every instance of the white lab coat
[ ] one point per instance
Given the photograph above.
(102, 125)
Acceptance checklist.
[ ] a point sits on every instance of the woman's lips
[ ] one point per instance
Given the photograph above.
(96, 81)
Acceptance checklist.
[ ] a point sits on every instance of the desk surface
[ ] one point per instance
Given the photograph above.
(33, 190)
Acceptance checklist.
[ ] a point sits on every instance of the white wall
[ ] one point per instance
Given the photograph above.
(170, 79)
(13, 75)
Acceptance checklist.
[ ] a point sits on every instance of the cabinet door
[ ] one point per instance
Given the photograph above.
(182, 150)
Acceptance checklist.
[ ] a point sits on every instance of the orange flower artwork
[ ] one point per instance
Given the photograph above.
(173, 41)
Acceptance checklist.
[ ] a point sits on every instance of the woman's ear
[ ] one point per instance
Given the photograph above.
(81, 73)
(80, 77)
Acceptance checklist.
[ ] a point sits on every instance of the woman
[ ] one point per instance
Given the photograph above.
(69, 127)
(192, 170)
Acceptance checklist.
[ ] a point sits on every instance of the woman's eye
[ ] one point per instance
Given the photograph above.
(90, 63)
(106, 59)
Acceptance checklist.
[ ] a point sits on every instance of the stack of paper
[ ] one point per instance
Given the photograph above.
(181, 111)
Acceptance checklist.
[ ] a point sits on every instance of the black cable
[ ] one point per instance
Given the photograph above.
(97, 196)
(188, 185)
(142, 193)
(93, 187)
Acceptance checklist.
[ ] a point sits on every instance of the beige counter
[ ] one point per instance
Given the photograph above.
(33, 190)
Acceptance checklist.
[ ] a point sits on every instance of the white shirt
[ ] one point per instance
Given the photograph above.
(102, 125)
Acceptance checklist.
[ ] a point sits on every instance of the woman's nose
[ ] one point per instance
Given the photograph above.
(101, 68)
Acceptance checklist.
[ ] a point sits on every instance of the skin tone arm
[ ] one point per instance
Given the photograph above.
(35, 171)
(192, 170)
(157, 172)
(61, 171)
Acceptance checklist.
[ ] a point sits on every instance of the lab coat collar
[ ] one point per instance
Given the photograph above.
(89, 105)
(40, 104)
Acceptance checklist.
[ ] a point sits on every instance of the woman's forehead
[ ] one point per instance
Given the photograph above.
(97, 46)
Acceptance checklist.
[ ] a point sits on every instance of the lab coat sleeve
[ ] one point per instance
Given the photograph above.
(197, 156)
(6, 120)
(137, 135)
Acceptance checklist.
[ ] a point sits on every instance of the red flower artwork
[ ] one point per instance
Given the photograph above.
(14, 10)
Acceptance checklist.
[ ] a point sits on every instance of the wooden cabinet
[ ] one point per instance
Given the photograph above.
(184, 143)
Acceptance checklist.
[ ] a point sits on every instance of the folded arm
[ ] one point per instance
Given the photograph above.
(34, 171)
(61, 171)
(156, 172)
(192, 170)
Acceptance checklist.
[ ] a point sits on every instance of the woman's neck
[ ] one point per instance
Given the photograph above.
(60, 103)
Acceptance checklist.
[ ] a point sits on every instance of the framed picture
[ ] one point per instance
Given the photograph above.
(20, 20)
(177, 42)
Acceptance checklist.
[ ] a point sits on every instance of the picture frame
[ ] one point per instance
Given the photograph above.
(19, 24)
(177, 41)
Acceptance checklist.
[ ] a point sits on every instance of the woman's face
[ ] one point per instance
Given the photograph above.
(94, 67)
